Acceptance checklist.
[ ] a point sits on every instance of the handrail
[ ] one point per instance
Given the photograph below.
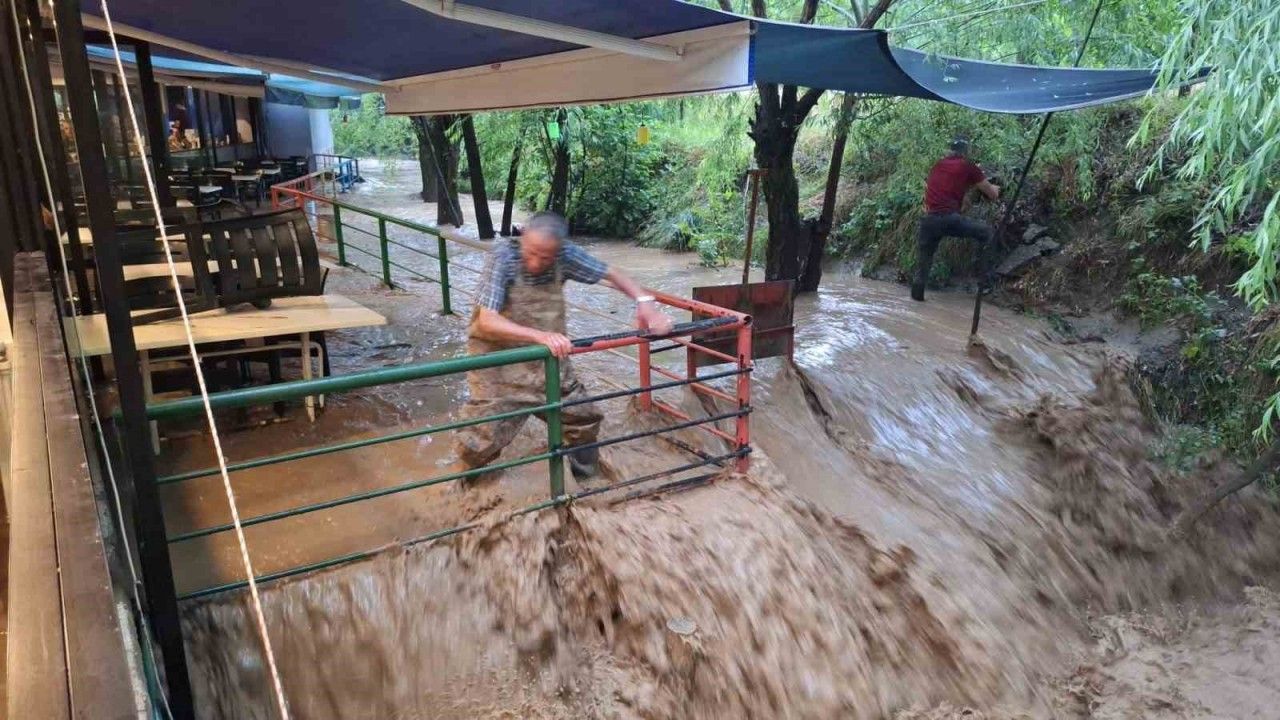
(302, 191)
(297, 389)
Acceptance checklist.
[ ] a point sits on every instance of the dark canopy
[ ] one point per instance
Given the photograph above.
(428, 63)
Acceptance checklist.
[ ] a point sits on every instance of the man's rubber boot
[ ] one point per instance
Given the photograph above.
(917, 291)
(585, 463)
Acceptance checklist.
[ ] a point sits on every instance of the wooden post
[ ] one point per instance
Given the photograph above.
(754, 175)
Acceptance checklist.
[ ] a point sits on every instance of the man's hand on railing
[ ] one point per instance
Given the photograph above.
(649, 317)
(558, 344)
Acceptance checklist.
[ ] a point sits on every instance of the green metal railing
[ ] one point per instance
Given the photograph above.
(551, 410)
(283, 195)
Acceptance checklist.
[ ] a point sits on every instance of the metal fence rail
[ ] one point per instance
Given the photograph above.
(550, 410)
(313, 191)
(286, 195)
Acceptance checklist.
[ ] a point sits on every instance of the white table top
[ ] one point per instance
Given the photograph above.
(270, 171)
(87, 334)
(229, 171)
(210, 188)
(245, 178)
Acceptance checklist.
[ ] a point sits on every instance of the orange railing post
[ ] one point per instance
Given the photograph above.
(646, 377)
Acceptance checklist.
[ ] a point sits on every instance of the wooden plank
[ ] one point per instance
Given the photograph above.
(36, 656)
(286, 316)
(98, 669)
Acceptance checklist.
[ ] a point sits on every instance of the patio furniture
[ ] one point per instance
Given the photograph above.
(155, 293)
(251, 183)
(300, 317)
(264, 257)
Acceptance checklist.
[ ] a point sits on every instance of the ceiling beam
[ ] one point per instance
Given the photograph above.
(541, 28)
(266, 66)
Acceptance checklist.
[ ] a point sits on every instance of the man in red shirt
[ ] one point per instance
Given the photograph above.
(944, 200)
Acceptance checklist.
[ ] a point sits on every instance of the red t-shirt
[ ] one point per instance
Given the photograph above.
(950, 178)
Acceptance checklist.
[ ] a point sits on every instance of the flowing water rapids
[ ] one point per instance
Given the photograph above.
(930, 529)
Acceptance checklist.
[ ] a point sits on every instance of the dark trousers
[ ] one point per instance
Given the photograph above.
(935, 226)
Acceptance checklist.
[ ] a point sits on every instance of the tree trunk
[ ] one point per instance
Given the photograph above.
(775, 145)
(445, 150)
(812, 275)
(509, 200)
(794, 250)
(484, 223)
(558, 200)
(426, 160)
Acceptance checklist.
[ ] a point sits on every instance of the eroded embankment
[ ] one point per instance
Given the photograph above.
(737, 600)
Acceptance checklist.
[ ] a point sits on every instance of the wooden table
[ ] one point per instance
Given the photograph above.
(87, 334)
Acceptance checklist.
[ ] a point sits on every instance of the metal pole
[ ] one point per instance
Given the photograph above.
(8, 211)
(1022, 179)
(442, 250)
(646, 376)
(200, 111)
(157, 128)
(15, 154)
(55, 152)
(555, 427)
(337, 232)
(754, 174)
(743, 422)
(126, 154)
(386, 254)
(153, 547)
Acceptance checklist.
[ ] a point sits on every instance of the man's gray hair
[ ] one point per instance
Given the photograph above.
(549, 223)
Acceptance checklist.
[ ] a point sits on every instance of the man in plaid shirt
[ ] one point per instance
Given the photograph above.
(521, 302)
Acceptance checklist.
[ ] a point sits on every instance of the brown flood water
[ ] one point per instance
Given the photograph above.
(927, 527)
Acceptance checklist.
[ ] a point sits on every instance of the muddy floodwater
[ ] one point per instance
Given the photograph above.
(931, 528)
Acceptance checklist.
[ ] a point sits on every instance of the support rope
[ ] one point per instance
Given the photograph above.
(148, 174)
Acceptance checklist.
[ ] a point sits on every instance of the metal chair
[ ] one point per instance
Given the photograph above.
(155, 293)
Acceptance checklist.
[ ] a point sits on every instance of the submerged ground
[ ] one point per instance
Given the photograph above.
(930, 529)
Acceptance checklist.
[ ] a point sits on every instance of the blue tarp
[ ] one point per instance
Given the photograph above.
(390, 40)
(862, 61)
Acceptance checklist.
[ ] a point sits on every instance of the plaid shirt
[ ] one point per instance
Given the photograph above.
(502, 267)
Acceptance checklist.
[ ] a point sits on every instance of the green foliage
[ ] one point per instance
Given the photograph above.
(1227, 136)
(370, 132)
(1157, 299)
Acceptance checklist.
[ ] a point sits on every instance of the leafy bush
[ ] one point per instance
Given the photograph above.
(370, 132)
(1156, 299)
